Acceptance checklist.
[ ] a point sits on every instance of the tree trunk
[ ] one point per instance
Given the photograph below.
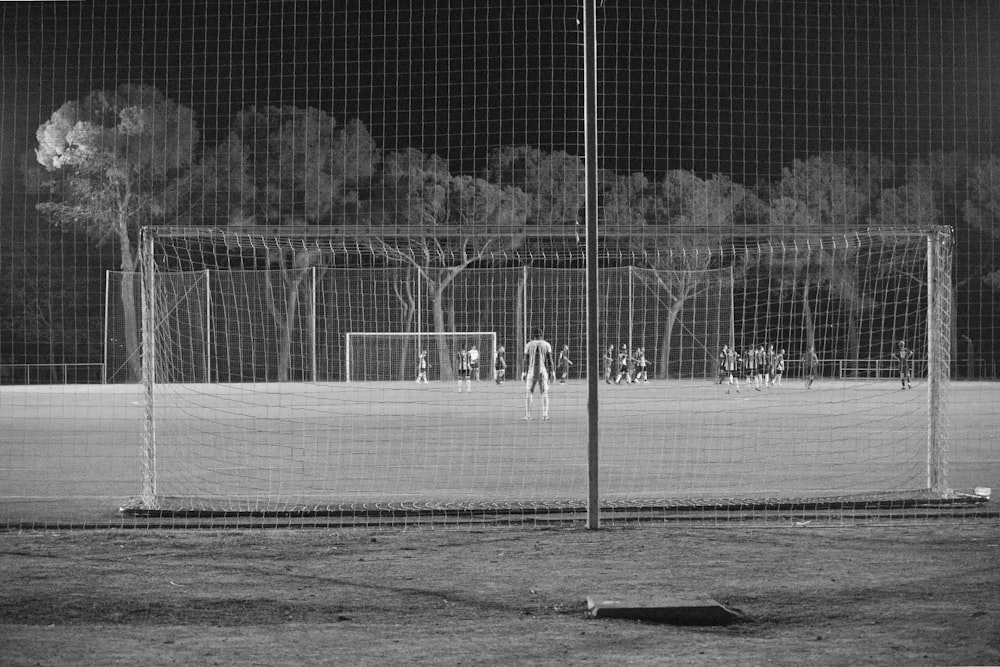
(52, 334)
(404, 294)
(519, 332)
(130, 316)
(285, 339)
(808, 327)
(853, 340)
(663, 365)
(444, 354)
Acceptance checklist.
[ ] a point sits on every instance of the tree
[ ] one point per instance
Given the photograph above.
(832, 195)
(218, 190)
(835, 192)
(452, 223)
(627, 201)
(982, 208)
(700, 212)
(411, 189)
(113, 155)
(305, 166)
(555, 181)
(46, 308)
(910, 205)
(295, 266)
(286, 166)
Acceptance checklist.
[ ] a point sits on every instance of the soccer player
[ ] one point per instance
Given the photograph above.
(624, 360)
(464, 370)
(537, 371)
(723, 364)
(641, 365)
(769, 360)
(474, 362)
(779, 368)
(733, 368)
(750, 364)
(904, 357)
(564, 364)
(422, 366)
(809, 364)
(500, 365)
(760, 362)
(609, 360)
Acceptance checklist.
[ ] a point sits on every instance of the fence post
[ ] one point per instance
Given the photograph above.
(148, 352)
(590, 213)
(312, 326)
(208, 325)
(107, 314)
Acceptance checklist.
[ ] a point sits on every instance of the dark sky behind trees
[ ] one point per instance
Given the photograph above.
(737, 88)
(742, 89)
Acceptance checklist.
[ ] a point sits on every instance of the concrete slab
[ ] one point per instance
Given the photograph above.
(666, 609)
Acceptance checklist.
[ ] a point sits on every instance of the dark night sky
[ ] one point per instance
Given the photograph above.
(740, 88)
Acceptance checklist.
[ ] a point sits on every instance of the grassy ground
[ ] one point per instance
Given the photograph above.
(903, 593)
(72, 455)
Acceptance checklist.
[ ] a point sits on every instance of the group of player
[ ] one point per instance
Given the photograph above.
(623, 366)
(758, 366)
(467, 366)
(764, 368)
(538, 365)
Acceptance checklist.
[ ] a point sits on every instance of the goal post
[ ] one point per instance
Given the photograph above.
(394, 356)
(248, 438)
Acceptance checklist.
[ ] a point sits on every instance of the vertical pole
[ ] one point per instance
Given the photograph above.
(590, 215)
(524, 320)
(731, 307)
(148, 455)
(631, 305)
(208, 325)
(312, 326)
(347, 357)
(107, 315)
(420, 330)
(936, 478)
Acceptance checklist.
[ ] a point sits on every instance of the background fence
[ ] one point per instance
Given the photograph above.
(237, 326)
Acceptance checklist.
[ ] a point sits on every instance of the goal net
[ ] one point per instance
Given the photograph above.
(376, 356)
(281, 391)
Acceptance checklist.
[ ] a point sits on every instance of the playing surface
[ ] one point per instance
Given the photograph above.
(73, 453)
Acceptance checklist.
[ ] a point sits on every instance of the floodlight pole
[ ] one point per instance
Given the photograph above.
(590, 219)
(147, 275)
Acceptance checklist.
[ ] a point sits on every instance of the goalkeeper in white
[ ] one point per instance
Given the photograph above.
(538, 371)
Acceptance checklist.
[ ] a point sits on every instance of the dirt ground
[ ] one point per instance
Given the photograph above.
(918, 593)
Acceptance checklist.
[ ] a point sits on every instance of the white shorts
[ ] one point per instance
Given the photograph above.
(536, 379)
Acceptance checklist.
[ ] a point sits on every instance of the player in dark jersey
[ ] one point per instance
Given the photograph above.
(760, 363)
(609, 361)
(779, 368)
(422, 366)
(564, 363)
(904, 360)
(723, 363)
(500, 365)
(810, 362)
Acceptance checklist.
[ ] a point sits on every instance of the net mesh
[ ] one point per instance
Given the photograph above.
(273, 436)
(420, 167)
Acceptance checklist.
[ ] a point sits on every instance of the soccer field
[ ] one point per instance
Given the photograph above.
(73, 453)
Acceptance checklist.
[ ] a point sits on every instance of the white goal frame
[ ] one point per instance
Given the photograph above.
(349, 374)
